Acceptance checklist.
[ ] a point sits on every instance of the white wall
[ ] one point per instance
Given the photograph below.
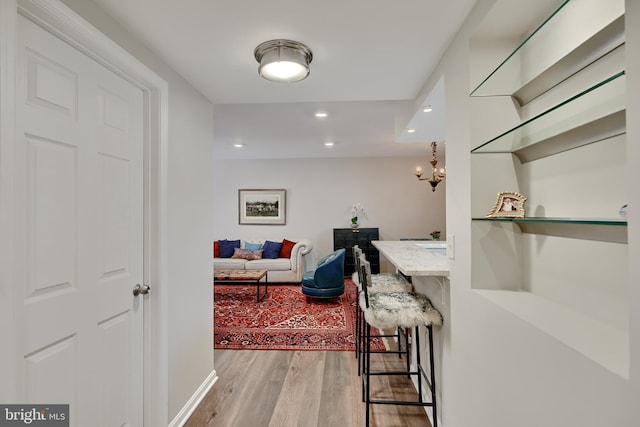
(632, 25)
(497, 370)
(320, 193)
(190, 230)
(189, 218)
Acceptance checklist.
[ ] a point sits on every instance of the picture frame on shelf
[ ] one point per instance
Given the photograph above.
(509, 204)
(262, 206)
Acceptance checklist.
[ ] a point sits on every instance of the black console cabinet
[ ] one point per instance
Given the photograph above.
(347, 238)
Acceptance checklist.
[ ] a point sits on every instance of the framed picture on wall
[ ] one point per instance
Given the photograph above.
(262, 207)
(509, 204)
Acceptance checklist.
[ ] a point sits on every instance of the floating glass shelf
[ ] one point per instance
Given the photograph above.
(507, 78)
(595, 114)
(591, 221)
(600, 229)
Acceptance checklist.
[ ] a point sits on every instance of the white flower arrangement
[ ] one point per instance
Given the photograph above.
(356, 211)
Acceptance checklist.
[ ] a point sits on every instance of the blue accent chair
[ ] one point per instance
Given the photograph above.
(327, 280)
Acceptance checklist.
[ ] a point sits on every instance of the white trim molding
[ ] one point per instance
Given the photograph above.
(183, 415)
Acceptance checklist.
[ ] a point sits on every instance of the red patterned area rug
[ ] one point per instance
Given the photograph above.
(284, 320)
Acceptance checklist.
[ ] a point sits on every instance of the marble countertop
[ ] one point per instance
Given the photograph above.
(413, 258)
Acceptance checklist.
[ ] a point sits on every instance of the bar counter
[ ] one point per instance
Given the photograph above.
(414, 258)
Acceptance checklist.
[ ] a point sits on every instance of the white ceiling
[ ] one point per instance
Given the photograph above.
(370, 58)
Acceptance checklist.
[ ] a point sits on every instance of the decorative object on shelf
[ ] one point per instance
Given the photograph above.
(509, 204)
(435, 235)
(356, 211)
(283, 61)
(261, 207)
(436, 175)
(623, 211)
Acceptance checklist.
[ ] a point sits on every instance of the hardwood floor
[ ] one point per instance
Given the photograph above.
(301, 389)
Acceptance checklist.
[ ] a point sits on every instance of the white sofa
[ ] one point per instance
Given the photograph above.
(281, 270)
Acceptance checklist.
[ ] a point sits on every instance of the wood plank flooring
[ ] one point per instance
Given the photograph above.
(301, 389)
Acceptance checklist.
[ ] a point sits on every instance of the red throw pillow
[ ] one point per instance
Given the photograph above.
(287, 246)
(216, 249)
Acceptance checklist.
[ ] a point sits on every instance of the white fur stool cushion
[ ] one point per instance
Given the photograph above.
(385, 282)
(399, 309)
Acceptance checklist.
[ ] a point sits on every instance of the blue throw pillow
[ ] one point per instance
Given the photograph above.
(271, 250)
(227, 247)
(252, 246)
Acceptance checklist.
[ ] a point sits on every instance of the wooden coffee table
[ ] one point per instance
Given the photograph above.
(243, 276)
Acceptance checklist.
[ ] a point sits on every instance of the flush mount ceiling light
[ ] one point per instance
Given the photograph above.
(283, 61)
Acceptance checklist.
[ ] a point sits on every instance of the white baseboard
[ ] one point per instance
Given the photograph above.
(194, 401)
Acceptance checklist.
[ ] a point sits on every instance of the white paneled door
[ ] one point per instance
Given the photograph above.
(79, 239)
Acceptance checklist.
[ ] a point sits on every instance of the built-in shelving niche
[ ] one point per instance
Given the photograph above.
(559, 294)
(566, 126)
(565, 275)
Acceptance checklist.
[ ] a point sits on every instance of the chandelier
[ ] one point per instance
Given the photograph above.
(436, 175)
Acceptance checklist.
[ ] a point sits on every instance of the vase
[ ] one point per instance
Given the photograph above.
(354, 225)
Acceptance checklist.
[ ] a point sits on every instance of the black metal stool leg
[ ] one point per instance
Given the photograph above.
(358, 312)
(408, 350)
(432, 376)
(362, 338)
(367, 375)
(418, 364)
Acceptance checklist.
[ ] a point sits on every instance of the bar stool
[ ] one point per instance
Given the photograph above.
(380, 282)
(399, 310)
(383, 282)
(385, 285)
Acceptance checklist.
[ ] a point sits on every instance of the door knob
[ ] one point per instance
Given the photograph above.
(141, 290)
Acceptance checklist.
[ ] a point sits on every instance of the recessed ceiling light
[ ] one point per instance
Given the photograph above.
(238, 145)
(329, 144)
(427, 109)
(321, 115)
(411, 130)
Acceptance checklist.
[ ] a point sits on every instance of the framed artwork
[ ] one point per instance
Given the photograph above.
(262, 207)
(509, 204)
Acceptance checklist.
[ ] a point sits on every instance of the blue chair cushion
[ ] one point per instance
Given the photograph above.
(307, 278)
(327, 280)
